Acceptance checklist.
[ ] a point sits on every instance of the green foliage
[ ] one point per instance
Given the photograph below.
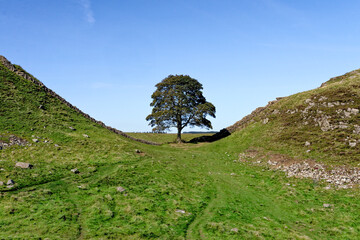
(178, 102)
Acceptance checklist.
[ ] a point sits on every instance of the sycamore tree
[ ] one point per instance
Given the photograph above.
(179, 102)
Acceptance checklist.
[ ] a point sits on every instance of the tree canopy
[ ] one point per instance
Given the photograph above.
(179, 102)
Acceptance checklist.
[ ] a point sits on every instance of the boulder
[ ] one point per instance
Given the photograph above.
(24, 165)
(120, 189)
(10, 182)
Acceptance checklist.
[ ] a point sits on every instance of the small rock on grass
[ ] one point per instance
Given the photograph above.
(10, 182)
(180, 211)
(35, 140)
(120, 189)
(235, 230)
(75, 170)
(326, 205)
(1, 183)
(24, 165)
(85, 135)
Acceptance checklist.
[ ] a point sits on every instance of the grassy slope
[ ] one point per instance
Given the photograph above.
(289, 129)
(216, 193)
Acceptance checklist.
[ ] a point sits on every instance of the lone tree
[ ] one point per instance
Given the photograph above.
(178, 102)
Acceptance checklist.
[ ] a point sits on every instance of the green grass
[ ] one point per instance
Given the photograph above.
(185, 191)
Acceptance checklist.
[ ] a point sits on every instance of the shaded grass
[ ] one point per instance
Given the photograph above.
(166, 137)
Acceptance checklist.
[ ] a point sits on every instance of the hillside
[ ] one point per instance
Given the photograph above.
(30, 100)
(325, 120)
(64, 175)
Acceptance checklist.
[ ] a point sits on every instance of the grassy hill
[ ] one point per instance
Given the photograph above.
(323, 123)
(124, 189)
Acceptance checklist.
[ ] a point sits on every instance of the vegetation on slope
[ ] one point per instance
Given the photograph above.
(129, 190)
(323, 123)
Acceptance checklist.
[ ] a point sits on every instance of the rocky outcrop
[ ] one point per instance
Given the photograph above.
(339, 176)
(11, 140)
(20, 72)
(250, 118)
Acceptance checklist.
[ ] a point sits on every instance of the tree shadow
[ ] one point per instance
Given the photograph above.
(217, 136)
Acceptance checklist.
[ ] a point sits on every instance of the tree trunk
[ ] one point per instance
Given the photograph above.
(178, 139)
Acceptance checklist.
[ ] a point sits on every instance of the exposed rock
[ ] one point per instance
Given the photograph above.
(1, 183)
(324, 124)
(276, 111)
(326, 205)
(120, 189)
(71, 128)
(265, 121)
(10, 182)
(24, 165)
(180, 211)
(356, 129)
(352, 143)
(235, 230)
(307, 143)
(137, 151)
(85, 135)
(35, 140)
(322, 98)
(75, 170)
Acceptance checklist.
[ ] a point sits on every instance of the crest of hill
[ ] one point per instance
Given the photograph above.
(26, 101)
(325, 120)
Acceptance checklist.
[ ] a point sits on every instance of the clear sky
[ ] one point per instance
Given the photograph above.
(105, 57)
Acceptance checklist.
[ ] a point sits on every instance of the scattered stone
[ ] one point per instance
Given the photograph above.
(235, 230)
(357, 129)
(10, 182)
(35, 140)
(276, 111)
(75, 170)
(180, 211)
(265, 121)
(326, 205)
(137, 151)
(232, 174)
(56, 145)
(1, 183)
(307, 143)
(308, 150)
(85, 135)
(327, 187)
(71, 128)
(352, 143)
(24, 165)
(120, 189)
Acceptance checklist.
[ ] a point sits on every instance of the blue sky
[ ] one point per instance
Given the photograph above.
(105, 57)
